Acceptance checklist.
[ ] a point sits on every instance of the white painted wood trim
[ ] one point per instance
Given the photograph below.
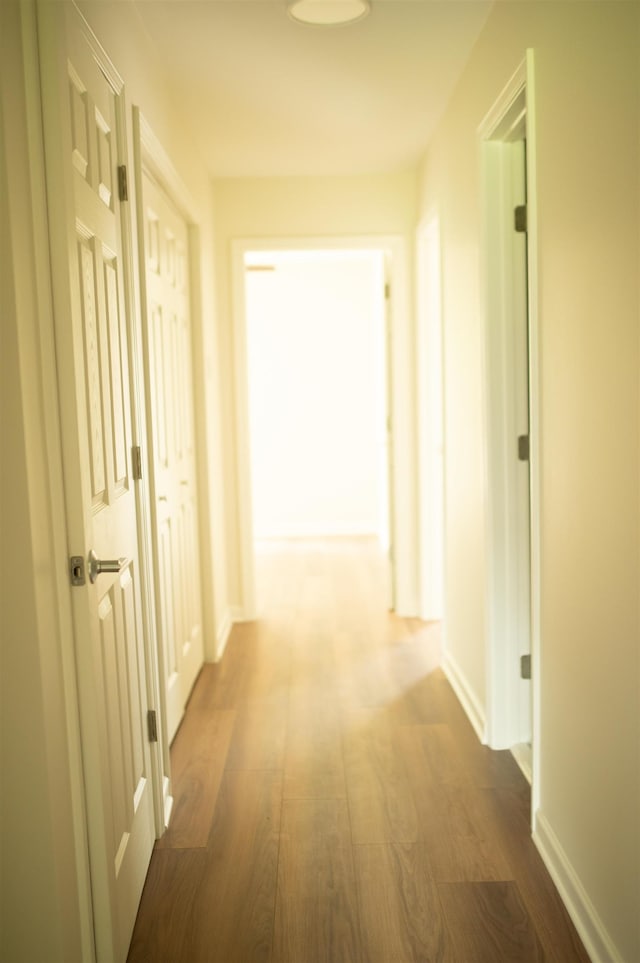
(522, 755)
(591, 929)
(168, 801)
(429, 431)
(222, 637)
(157, 162)
(493, 119)
(535, 442)
(466, 696)
(244, 551)
(505, 115)
(403, 516)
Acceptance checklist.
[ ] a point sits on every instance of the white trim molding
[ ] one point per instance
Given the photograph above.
(153, 157)
(590, 927)
(509, 616)
(222, 635)
(466, 696)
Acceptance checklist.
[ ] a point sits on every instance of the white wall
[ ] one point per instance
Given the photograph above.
(315, 338)
(41, 905)
(587, 58)
(366, 206)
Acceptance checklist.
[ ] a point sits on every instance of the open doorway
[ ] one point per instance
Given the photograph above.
(317, 396)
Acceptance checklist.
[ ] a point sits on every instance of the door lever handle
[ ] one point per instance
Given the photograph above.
(98, 566)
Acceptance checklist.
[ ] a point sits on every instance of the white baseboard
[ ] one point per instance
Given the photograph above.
(590, 927)
(466, 696)
(168, 802)
(222, 636)
(521, 752)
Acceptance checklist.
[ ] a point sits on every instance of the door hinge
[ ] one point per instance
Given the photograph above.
(525, 666)
(123, 188)
(523, 447)
(136, 458)
(76, 570)
(152, 725)
(387, 291)
(520, 218)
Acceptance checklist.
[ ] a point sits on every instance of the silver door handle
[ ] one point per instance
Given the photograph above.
(99, 565)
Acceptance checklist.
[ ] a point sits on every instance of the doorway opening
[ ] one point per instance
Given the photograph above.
(507, 147)
(318, 399)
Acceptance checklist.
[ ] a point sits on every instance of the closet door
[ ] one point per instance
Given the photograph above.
(84, 124)
(170, 392)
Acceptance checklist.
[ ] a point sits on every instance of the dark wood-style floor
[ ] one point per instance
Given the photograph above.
(332, 803)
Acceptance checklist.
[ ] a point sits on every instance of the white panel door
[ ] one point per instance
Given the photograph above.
(173, 456)
(83, 119)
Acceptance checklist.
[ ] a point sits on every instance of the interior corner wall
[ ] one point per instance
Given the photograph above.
(120, 32)
(587, 60)
(288, 207)
(40, 904)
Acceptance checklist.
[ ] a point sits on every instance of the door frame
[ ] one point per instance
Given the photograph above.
(400, 364)
(515, 103)
(430, 400)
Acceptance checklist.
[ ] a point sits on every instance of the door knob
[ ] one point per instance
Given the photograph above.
(99, 565)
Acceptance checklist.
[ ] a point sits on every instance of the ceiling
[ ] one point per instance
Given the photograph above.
(270, 97)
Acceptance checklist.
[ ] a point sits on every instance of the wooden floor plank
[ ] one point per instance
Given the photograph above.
(313, 763)
(400, 910)
(259, 734)
(380, 799)
(198, 759)
(167, 917)
(316, 910)
(454, 816)
(233, 911)
(333, 804)
(511, 808)
(488, 923)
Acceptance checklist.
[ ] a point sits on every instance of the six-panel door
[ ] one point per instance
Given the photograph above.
(83, 118)
(173, 456)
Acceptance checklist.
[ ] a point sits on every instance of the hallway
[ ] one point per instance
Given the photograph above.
(331, 801)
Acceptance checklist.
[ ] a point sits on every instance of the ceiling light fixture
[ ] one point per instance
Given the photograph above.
(327, 13)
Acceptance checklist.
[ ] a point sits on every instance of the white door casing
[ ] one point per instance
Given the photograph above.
(387, 447)
(84, 125)
(522, 500)
(171, 438)
(429, 356)
(511, 408)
